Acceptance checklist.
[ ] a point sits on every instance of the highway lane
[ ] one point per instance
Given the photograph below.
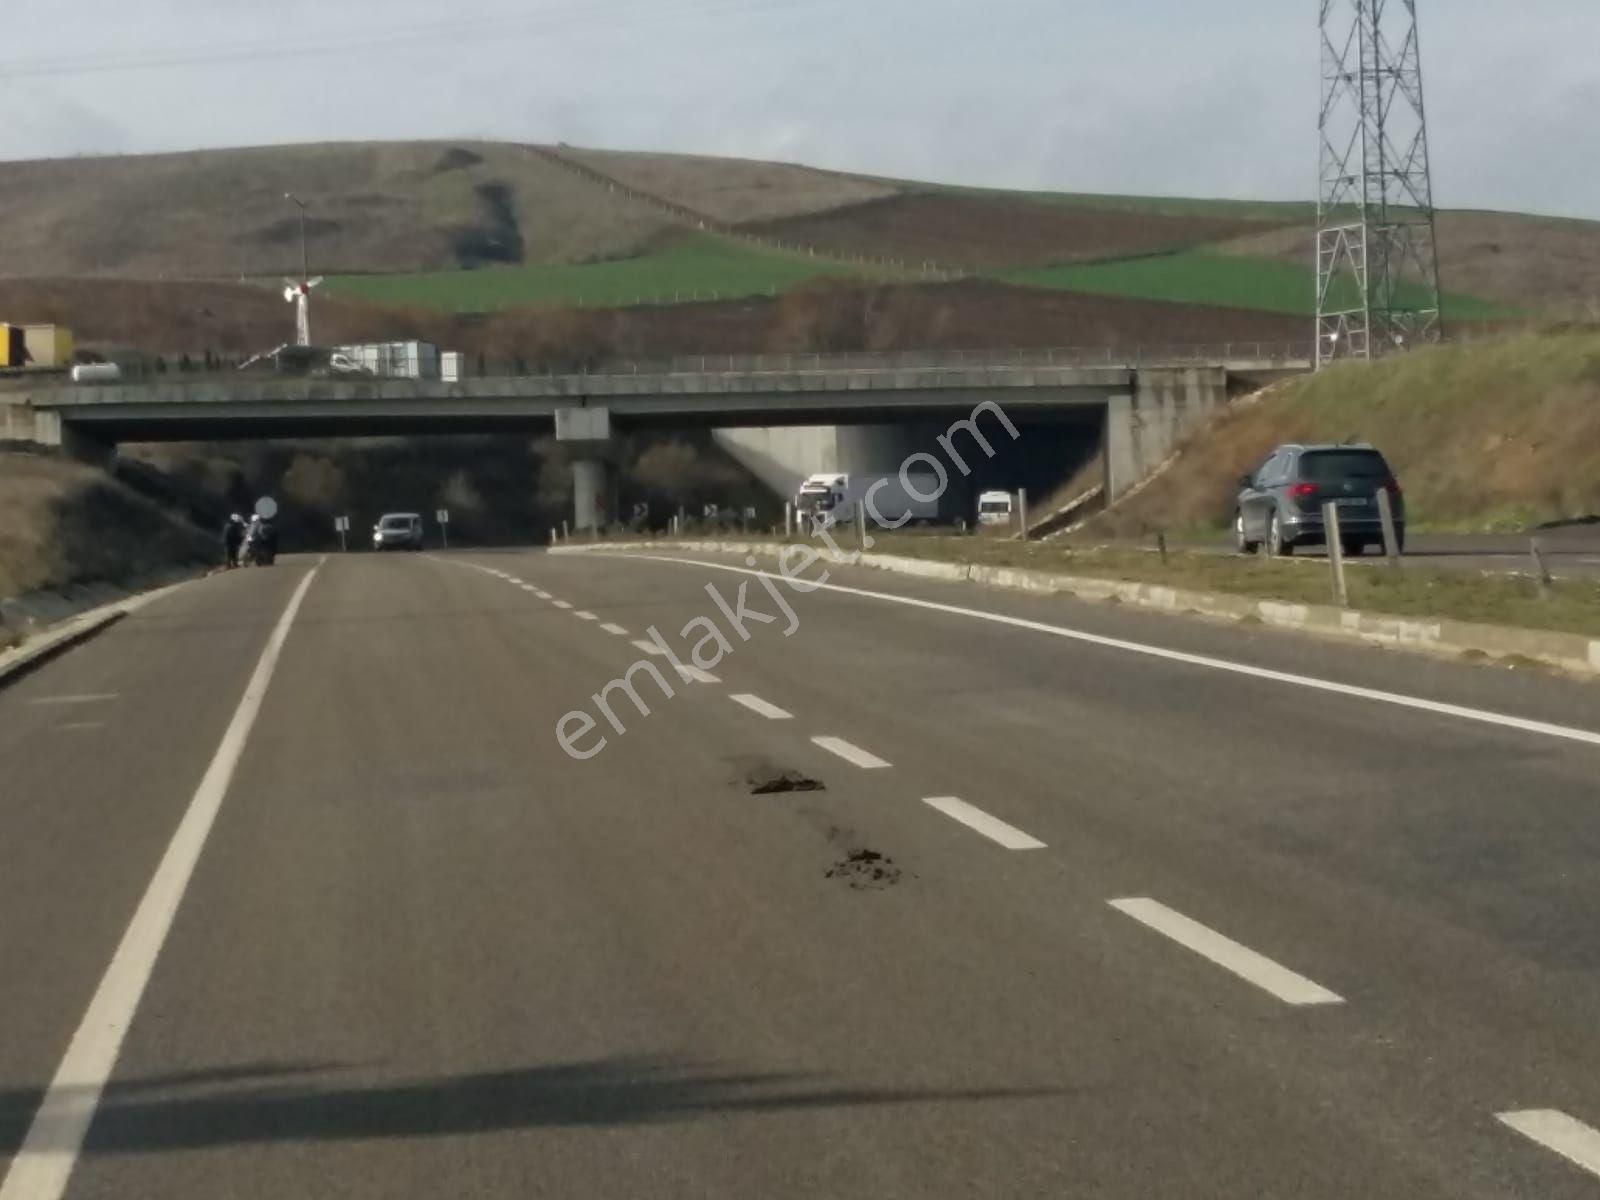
(425, 952)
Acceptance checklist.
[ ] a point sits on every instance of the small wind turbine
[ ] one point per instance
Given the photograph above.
(299, 294)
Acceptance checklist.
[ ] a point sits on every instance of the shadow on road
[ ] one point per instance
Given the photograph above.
(140, 1117)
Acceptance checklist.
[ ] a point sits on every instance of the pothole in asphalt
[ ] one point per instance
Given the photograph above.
(767, 779)
(865, 869)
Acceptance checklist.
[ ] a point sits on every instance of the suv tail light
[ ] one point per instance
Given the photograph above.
(1301, 490)
(1393, 487)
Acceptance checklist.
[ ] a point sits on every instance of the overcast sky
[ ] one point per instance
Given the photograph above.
(1172, 97)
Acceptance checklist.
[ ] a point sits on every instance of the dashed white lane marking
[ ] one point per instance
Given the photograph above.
(43, 1165)
(1567, 1136)
(513, 580)
(543, 595)
(1461, 712)
(615, 630)
(586, 616)
(560, 604)
(1227, 953)
(85, 698)
(854, 755)
(693, 674)
(757, 705)
(72, 726)
(528, 587)
(647, 647)
(992, 828)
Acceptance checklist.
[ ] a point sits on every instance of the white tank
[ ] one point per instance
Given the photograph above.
(96, 373)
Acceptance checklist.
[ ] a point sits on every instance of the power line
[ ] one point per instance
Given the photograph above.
(621, 16)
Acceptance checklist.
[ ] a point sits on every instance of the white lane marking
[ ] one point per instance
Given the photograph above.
(586, 616)
(1484, 716)
(757, 705)
(851, 754)
(543, 595)
(992, 828)
(560, 604)
(1227, 953)
(615, 630)
(528, 587)
(647, 647)
(44, 1163)
(85, 698)
(512, 579)
(1567, 1136)
(693, 674)
(75, 725)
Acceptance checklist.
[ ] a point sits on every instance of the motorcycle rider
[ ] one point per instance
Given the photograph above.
(233, 538)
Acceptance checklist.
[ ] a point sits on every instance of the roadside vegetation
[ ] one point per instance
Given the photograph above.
(1499, 435)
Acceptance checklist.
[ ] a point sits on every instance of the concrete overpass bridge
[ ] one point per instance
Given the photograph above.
(784, 416)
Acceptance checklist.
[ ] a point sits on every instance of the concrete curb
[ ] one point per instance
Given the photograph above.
(58, 639)
(1442, 636)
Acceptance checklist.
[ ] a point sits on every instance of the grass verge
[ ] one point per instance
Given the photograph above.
(1573, 605)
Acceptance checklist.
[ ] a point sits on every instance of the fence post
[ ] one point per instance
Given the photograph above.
(1541, 572)
(1391, 540)
(1330, 526)
(1161, 545)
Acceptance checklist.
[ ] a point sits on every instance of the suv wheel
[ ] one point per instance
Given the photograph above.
(1277, 546)
(1241, 543)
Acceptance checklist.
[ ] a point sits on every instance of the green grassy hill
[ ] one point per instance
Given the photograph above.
(1498, 435)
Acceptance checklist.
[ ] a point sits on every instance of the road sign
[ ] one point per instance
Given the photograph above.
(442, 516)
(341, 524)
(266, 508)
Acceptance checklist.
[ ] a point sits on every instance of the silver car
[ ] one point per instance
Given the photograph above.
(398, 531)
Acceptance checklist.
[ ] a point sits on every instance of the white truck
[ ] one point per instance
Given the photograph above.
(829, 499)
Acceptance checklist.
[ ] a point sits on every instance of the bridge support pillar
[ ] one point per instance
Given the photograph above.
(591, 495)
(1145, 429)
(24, 423)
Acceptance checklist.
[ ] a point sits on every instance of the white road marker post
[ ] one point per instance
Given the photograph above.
(861, 525)
(1022, 512)
(1541, 572)
(443, 517)
(1391, 539)
(1330, 528)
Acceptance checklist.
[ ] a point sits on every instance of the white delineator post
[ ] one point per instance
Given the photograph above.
(1022, 512)
(1391, 540)
(1330, 526)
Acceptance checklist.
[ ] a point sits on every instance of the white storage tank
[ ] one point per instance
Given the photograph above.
(96, 373)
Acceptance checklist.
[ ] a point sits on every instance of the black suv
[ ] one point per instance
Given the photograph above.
(1280, 505)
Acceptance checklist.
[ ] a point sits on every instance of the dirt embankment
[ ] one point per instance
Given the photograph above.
(66, 528)
(1500, 435)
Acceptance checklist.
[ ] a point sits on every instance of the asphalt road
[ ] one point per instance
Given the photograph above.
(1194, 910)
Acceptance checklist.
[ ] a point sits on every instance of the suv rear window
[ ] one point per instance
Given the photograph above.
(1321, 466)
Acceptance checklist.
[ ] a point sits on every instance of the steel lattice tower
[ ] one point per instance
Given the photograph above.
(1377, 264)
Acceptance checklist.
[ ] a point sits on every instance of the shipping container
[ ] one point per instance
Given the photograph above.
(49, 346)
(13, 347)
(450, 366)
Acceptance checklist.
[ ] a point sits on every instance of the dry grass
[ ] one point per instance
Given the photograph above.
(1538, 264)
(64, 523)
(375, 207)
(734, 190)
(1498, 435)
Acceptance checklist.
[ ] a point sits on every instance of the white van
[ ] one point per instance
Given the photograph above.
(994, 508)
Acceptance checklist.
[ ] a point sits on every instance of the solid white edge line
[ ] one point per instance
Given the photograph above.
(43, 1164)
(976, 819)
(852, 754)
(615, 630)
(1228, 954)
(647, 647)
(560, 604)
(1462, 712)
(759, 706)
(1554, 1130)
(586, 616)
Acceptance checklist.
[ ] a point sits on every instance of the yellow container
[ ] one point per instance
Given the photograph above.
(13, 346)
(49, 346)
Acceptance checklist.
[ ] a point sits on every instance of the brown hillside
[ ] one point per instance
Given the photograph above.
(1534, 263)
(982, 232)
(374, 207)
(235, 319)
(733, 190)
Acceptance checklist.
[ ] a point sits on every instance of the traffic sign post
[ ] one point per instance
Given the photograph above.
(443, 517)
(341, 526)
